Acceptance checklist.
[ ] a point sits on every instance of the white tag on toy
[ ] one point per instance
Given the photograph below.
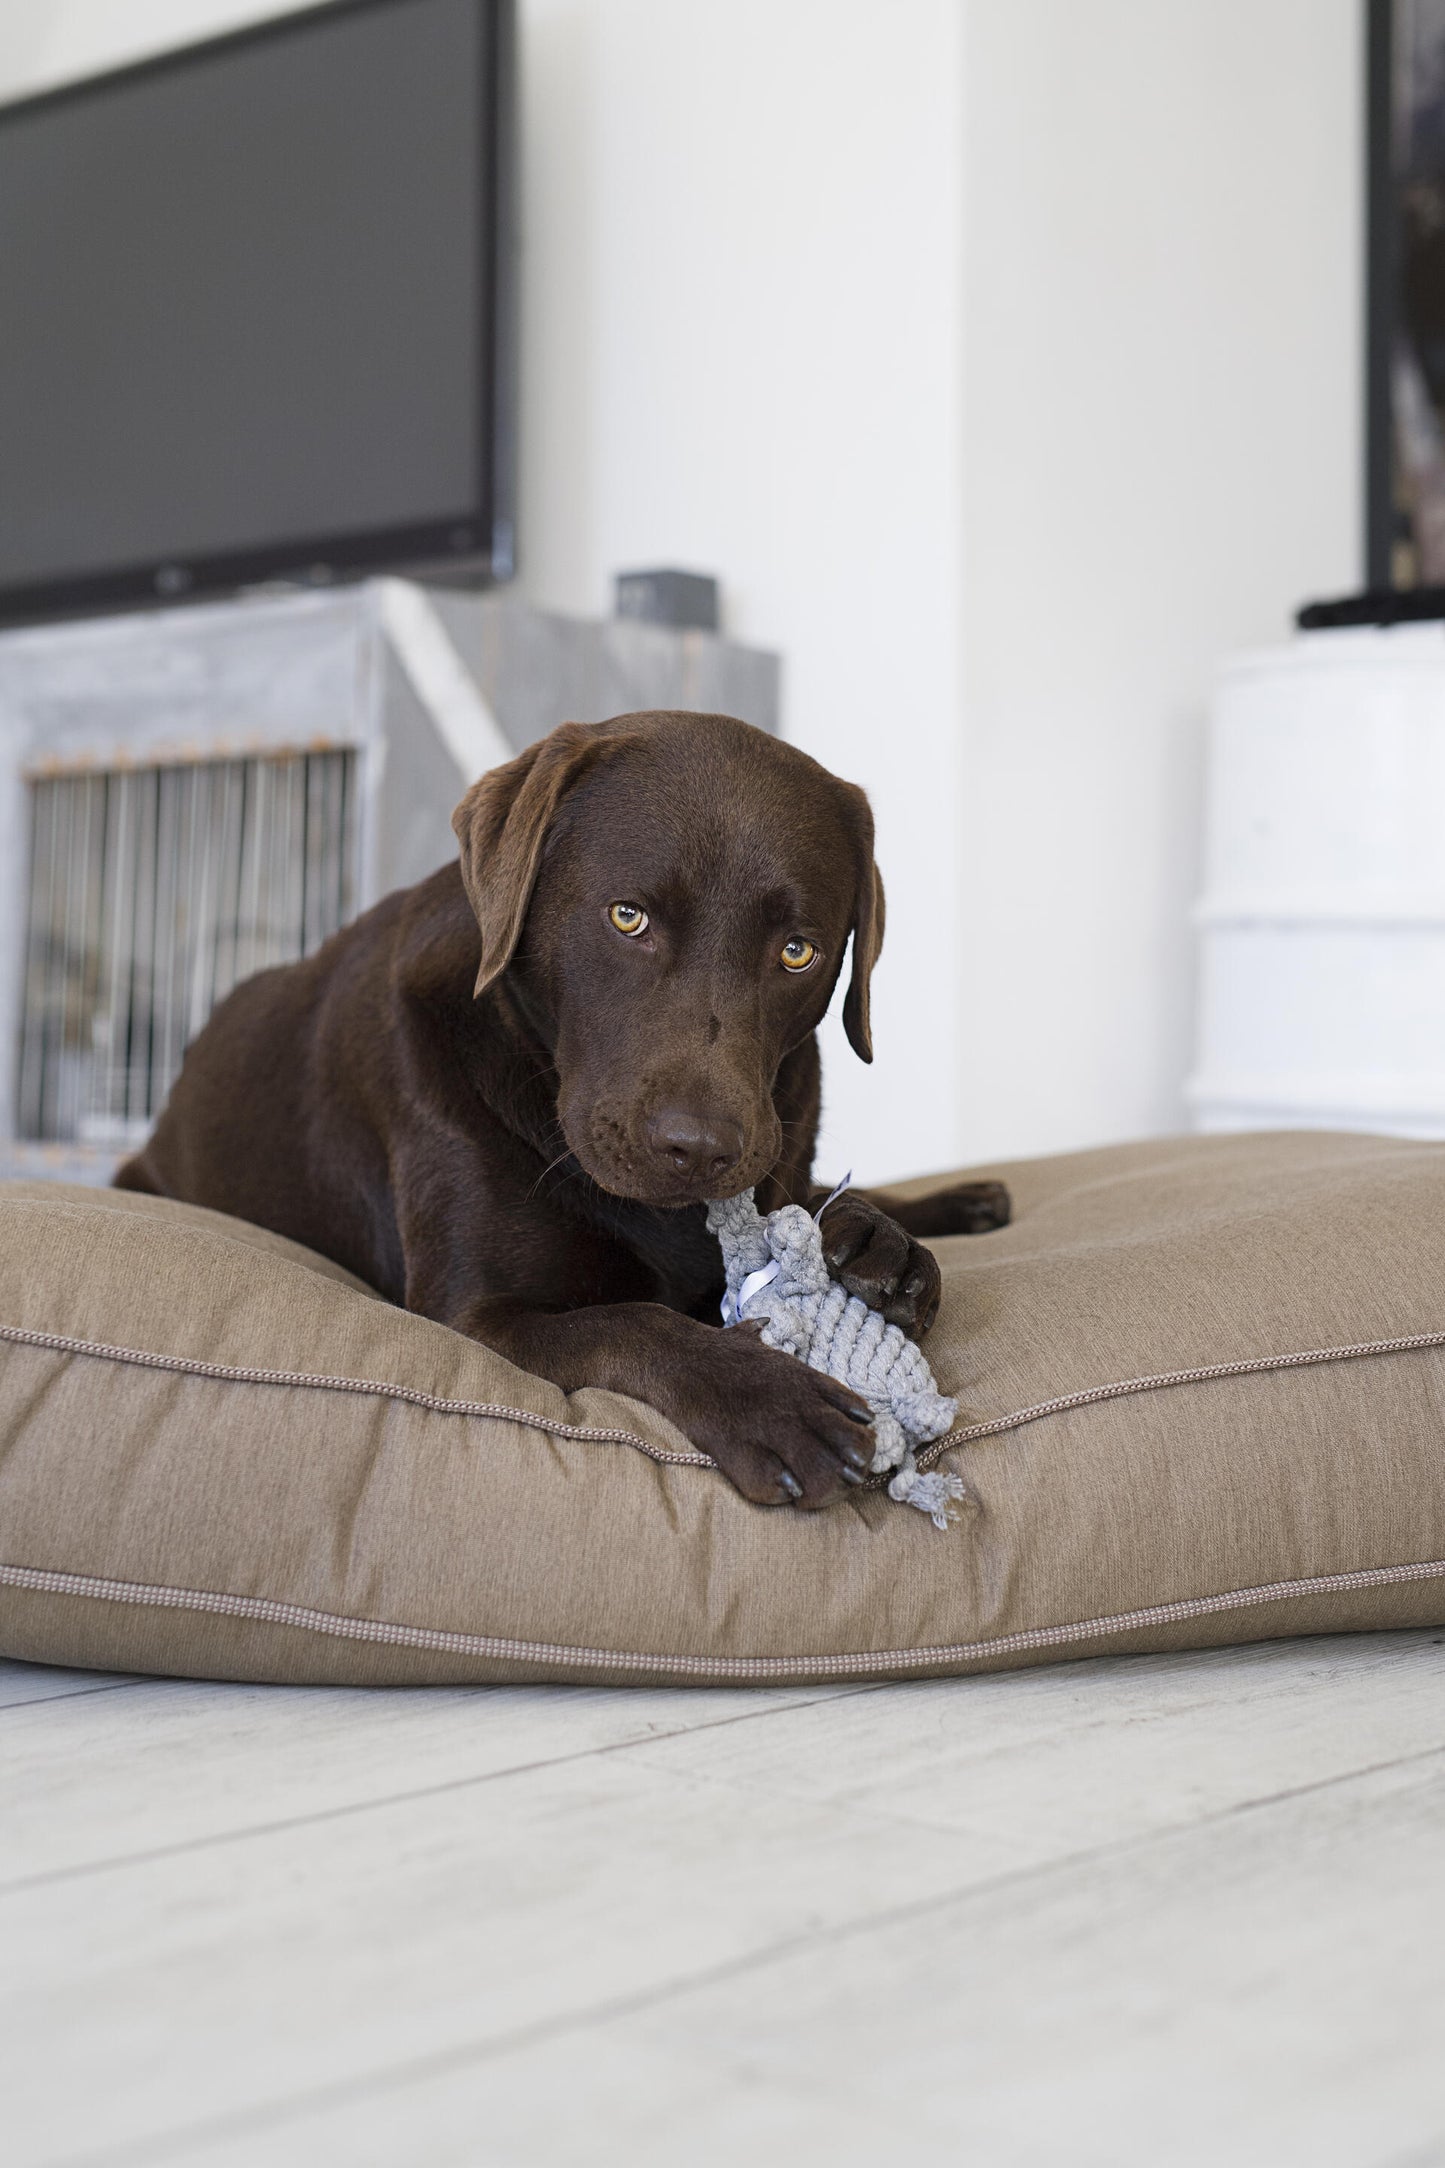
(733, 1310)
(733, 1307)
(832, 1197)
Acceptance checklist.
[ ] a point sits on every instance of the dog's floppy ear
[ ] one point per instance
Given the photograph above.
(867, 932)
(502, 825)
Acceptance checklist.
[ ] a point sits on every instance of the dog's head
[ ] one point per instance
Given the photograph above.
(671, 896)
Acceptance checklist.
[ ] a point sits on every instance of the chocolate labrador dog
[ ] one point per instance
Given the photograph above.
(501, 1096)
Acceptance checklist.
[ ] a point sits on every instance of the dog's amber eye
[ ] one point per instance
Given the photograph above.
(798, 954)
(629, 918)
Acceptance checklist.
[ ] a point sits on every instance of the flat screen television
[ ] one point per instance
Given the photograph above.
(255, 317)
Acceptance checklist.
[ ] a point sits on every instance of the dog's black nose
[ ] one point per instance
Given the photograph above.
(695, 1147)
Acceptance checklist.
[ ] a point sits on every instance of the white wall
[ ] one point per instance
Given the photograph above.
(43, 42)
(1002, 356)
(743, 253)
(1161, 457)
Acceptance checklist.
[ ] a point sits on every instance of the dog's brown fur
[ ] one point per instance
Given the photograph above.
(499, 1110)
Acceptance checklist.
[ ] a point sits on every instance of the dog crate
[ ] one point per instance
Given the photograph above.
(191, 796)
(152, 892)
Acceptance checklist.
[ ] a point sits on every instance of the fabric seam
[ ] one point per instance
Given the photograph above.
(965, 1434)
(383, 1389)
(560, 1655)
(1202, 1374)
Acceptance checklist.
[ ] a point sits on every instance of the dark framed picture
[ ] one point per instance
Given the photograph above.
(1406, 294)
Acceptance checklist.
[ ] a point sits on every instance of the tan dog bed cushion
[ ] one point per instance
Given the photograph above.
(1202, 1392)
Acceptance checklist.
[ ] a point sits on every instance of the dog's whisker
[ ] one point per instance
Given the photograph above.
(548, 1169)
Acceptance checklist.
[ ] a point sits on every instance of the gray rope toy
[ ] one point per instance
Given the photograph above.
(777, 1274)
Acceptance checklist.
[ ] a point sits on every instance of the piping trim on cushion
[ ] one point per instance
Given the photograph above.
(229, 1374)
(855, 1664)
(966, 1434)
(1204, 1374)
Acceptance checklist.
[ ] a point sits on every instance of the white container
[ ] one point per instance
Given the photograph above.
(1322, 925)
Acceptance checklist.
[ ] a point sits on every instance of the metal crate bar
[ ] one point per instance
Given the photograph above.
(152, 892)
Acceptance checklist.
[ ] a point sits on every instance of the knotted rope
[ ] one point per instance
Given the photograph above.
(777, 1275)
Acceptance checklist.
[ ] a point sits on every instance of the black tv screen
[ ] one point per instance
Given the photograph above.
(254, 317)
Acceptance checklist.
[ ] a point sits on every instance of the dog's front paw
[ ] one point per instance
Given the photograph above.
(782, 1433)
(872, 1256)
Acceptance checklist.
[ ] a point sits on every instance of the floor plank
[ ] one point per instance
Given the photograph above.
(181, 1763)
(1263, 1989)
(23, 1684)
(591, 1873)
(1094, 1754)
(206, 1980)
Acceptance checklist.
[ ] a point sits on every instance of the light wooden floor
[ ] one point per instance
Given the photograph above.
(1134, 1911)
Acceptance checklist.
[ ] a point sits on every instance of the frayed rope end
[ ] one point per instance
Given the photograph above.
(934, 1493)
